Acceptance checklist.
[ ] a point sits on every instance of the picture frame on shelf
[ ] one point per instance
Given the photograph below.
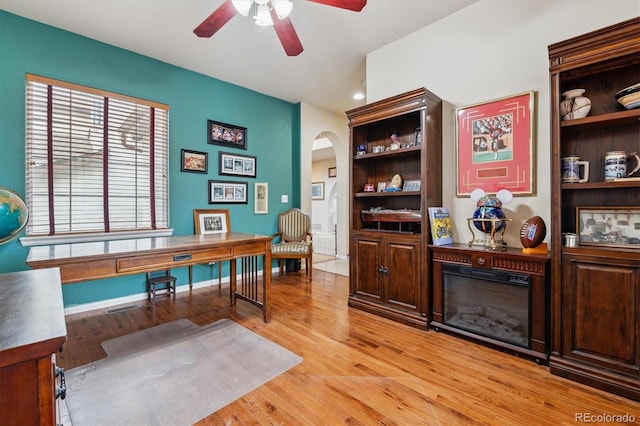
(382, 186)
(495, 146)
(236, 165)
(608, 226)
(223, 192)
(261, 198)
(211, 221)
(411, 185)
(317, 190)
(193, 161)
(227, 135)
(333, 172)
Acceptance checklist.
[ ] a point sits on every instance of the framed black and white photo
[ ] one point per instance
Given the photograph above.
(417, 140)
(333, 172)
(236, 165)
(193, 161)
(226, 135)
(211, 221)
(221, 192)
(261, 201)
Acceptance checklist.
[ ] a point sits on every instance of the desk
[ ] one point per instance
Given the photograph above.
(32, 330)
(105, 259)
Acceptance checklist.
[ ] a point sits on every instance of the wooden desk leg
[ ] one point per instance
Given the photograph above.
(266, 285)
(232, 281)
(219, 276)
(190, 277)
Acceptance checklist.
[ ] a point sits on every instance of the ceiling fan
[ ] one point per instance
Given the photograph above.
(268, 12)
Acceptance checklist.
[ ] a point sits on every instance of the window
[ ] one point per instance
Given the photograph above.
(97, 162)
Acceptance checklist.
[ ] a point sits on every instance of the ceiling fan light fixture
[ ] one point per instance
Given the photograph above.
(282, 7)
(263, 15)
(242, 6)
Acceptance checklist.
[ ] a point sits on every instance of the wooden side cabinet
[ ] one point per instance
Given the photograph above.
(599, 342)
(387, 277)
(32, 330)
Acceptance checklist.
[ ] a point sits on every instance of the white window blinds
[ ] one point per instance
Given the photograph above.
(97, 162)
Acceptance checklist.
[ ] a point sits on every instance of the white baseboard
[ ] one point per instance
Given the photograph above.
(104, 304)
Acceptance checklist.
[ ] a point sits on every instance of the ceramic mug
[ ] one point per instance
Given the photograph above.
(616, 164)
(571, 168)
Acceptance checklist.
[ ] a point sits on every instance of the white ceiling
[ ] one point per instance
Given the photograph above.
(326, 74)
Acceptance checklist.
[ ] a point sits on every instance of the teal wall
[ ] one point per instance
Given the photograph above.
(273, 133)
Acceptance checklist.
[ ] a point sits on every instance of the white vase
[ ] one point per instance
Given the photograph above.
(574, 105)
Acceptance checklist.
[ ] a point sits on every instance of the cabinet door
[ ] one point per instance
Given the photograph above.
(404, 282)
(601, 316)
(367, 282)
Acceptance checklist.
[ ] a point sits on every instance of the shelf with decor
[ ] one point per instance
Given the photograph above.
(595, 285)
(395, 138)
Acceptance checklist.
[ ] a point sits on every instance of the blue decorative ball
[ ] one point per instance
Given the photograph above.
(488, 213)
(13, 215)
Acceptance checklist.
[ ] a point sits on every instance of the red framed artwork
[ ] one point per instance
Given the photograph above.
(494, 146)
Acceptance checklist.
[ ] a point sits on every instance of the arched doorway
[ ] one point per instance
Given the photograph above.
(324, 206)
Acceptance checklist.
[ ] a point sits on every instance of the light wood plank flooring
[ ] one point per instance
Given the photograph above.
(359, 369)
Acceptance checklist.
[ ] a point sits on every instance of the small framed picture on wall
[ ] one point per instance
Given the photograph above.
(261, 195)
(317, 191)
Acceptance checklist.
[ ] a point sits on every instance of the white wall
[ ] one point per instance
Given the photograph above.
(336, 128)
(489, 50)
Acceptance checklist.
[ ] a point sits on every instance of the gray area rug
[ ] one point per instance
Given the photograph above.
(173, 374)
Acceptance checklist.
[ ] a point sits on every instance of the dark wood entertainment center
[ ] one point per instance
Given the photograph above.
(484, 261)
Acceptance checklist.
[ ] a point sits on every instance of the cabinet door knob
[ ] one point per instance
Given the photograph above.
(481, 261)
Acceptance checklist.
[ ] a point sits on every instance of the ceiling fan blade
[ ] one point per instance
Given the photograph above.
(216, 20)
(355, 5)
(287, 35)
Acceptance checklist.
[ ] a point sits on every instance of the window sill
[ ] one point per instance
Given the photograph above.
(85, 238)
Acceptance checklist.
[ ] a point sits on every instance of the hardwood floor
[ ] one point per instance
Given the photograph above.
(359, 369)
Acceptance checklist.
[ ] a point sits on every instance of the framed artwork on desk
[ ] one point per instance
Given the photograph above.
(211, 221)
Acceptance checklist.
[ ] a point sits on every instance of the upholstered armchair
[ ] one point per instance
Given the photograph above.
(294, 239)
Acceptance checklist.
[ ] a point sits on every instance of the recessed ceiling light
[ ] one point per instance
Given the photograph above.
(358, 96)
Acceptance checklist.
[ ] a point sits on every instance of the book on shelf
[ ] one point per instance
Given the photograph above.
(441, 227)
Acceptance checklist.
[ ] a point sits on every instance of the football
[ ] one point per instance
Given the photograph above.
(532, 232)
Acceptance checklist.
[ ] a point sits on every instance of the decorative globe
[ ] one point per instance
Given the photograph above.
(13, 215)
(488, 213)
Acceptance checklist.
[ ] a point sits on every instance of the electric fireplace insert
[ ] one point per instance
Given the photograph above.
(498, 297)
